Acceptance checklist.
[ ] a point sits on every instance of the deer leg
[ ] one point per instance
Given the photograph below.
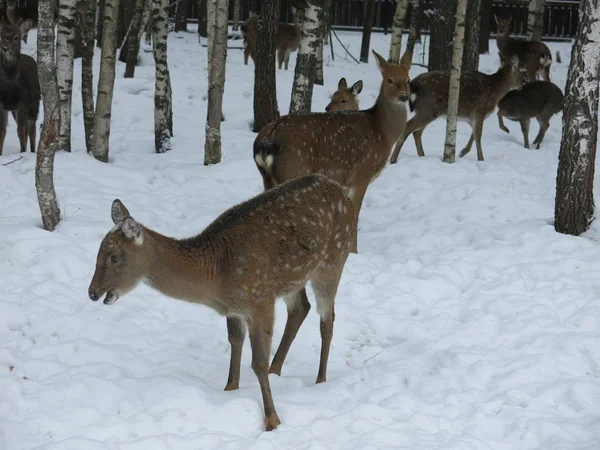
(22, 129)
(525, 129)
(261, 333)
(298, 307)
(357, 195)
(31, 125)
(246, 54)
(3, 123)
(467, 148)
(236, 332)
(418, 142)
(475, 136)
(280, 57)
(544, 125)
(501, 122)
(414, 124)
(546, 73)
(287, 58)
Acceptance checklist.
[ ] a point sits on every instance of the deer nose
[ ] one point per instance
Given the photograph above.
(403, 97)
(327, 108)
(93, 296)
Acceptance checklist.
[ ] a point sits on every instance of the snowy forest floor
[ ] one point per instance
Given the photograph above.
(466, 321)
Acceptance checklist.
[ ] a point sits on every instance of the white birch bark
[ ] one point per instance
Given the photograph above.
(535, 20)
(455, 69)
(397, 28)
(162, 89)
(65, 52)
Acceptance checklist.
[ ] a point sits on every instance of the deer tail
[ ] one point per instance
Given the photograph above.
(265, 151)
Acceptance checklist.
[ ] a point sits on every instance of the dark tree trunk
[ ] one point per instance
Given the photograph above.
(366, 34)
(574, 204)
(202, 24)
(485, 26)
(236, 15)
(87, 19)
(265, 93)
(414, 33)
(99, 23)
(442, 32)
(471, 50)
(181, 16)
(133, 40)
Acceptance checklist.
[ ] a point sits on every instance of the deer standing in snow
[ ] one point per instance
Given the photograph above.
(345, 98)
(267, 247)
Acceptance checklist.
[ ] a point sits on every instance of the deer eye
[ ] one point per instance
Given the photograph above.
(344, 101)
(390, 81)
(115, 259)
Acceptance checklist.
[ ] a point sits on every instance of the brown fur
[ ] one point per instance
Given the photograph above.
(287, 40)
(351, 147)
(267, 247)
(345, 98)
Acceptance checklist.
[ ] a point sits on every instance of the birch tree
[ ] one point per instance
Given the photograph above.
(310, 19)
(455, 70)
(163, 121)
(106, 81)
(217, 42)
(366, 34)
(135, 36)
(319, 78)
(535, 20)
(471, 50)
(65, 56)
(397, 29)
(44, 165)
(87, 21)
(574, 204)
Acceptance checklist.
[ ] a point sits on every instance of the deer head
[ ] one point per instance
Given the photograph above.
(345, 99)
(503, 25)
(10, 39)
(395, 78)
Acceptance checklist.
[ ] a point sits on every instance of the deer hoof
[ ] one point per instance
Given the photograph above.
(271, 421)
(232, 386)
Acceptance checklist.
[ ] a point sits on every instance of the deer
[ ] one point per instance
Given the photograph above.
(479, 93)
(539, 99)
(534, 56)
(345, 98)
(267, 247)
(287, 40)
(351, 147)
(19, 84)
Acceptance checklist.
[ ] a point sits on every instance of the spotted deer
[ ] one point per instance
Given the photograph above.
(345, 98)
(19, 84)
(287, 40)
(479, 93)
(539, 99)
(267, 247)
(534, 56)
(350, 147)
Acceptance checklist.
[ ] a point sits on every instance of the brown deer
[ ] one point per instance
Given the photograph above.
(286, 40)
(351, 147)
(267, 247)
(479, 93)
(539, 99)
(534, 57)
(345, 98)
(19, 84)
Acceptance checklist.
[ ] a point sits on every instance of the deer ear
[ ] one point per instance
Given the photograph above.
(406, 59)
(496, 18)
(509, 20)
(118, 212)
(342, 84)
(357, 87)
(132, 230)
(381, 63)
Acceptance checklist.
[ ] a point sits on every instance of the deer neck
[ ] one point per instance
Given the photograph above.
(390, 118)
(502, 41)
(503, 82)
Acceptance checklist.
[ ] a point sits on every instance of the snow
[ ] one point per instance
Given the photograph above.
(466, 321)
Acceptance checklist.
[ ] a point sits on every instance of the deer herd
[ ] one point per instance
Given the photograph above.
(315, 169)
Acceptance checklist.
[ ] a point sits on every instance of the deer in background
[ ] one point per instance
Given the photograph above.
(19, 84)
(534, 57)
(352, 148)
(479, 94)
(287, 40)
(267, 247)
(539, 99)
(345, 98)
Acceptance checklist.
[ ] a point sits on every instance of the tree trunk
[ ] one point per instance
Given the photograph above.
(471, 51)
(134, 38)
(202, 22)
(485, 26)
(44, 165)
(310, 35)
(99, 21)
(442, 30)
(366, 34)
(162, 89)
(454, 92)
(106, 81)
(236, 15)
(327, 13)
(265, 92)
(574, 207)
(415, 26)
(218, 41)
(319, 79)
(181, 16)
(535, 20)
(65, 56)
(87, 19)
(397, 29)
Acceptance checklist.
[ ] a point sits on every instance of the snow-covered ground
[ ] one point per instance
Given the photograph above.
(465, 322)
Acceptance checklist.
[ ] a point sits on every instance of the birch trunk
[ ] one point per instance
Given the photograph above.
(162, 88)
(44, 165)
(415, 26)
(134, 38)
(397, 29)
(87, 19)
(455, 69)
(471, 50)
(319, 79)
(217, 40)
(106, 81)
(65, 56)
(574, 204)
(236, 15)
(310, 35)
(366, 34)
(535, 20)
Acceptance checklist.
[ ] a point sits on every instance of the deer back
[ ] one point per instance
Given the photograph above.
(288, 36)
(532, 100)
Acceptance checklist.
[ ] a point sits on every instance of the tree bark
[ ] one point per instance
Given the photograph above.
(162, 87)
(366, 34)
(454, 92)
(218, 41)
(265, 92)
(397, 29)
(535, 20)
(44, 165)
(236, 15)
(471, 50)
(65, 56)
(442, 31)
(106, 81)
(415, 25)
(310, 35)
(134, 38)
(319, 79)
(574, 204)
(202, 22)
(181, 16)
(99, 21)
(87, 19)
(485, 26)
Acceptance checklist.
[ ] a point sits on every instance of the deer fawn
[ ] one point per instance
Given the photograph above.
(19, 84)
(539, 99)
(345, 99)
(267, 247)
(352, 148)
(479, 93)
(534, 57)
(286, 40)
